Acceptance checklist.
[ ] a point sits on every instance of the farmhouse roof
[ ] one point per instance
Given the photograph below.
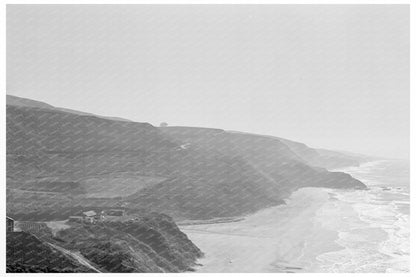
(90, 213)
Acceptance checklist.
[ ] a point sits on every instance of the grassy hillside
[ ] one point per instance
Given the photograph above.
(24, 102)
(272, 157)
(35, 129)
(58, 160)
(26, 253)
(152, 243)
(324, 158)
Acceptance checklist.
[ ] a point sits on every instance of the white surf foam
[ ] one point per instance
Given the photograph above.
(380, 242)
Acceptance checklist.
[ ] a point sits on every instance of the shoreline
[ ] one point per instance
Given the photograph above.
(260, 243)
(210, 221)
(317, 230)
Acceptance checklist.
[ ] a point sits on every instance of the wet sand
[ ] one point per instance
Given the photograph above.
(285, 238)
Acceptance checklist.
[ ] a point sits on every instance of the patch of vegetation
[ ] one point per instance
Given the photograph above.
(152, 243)
(24, 268)
(58, 187)
(27, 253)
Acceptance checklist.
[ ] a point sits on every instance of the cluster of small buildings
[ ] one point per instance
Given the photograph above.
(93, 217)
(87, 217)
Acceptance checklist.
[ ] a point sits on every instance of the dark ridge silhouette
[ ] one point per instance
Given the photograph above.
(26, 253)
(24, 102)
(149, 243)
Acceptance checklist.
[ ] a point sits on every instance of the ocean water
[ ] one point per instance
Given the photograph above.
(373, 225)
(319, 229)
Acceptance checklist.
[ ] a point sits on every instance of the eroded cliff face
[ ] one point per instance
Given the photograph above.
(26, 253)
(150, 243)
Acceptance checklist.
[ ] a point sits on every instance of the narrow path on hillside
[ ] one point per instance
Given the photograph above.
(76, 256)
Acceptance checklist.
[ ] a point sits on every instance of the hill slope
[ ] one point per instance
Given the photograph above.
(324, 158)
(268, 155)
(153, 243)
(57, 160)
(150, 243)
(26, 253)
(24, 102)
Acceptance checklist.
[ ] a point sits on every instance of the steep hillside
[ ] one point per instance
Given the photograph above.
(41, 130)
(58, 160)
(152, 243)
(315, 157)
(26, 253)
(270, 156)
(339, 159)
(322, 157)
(24, 102)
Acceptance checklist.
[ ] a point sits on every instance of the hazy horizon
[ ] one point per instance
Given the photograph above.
(329, 76)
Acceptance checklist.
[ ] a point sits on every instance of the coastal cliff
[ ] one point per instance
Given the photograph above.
(58, 159)
(151, 243)
(61, 161)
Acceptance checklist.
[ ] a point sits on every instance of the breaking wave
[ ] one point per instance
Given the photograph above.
(373, 225)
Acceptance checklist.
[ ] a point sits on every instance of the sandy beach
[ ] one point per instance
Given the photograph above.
(285, 238)
(318, 230)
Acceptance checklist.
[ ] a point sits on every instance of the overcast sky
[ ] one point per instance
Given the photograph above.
(335, 77)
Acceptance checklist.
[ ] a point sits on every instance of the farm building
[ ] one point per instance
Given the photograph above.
(90, 216)
(9, 224)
